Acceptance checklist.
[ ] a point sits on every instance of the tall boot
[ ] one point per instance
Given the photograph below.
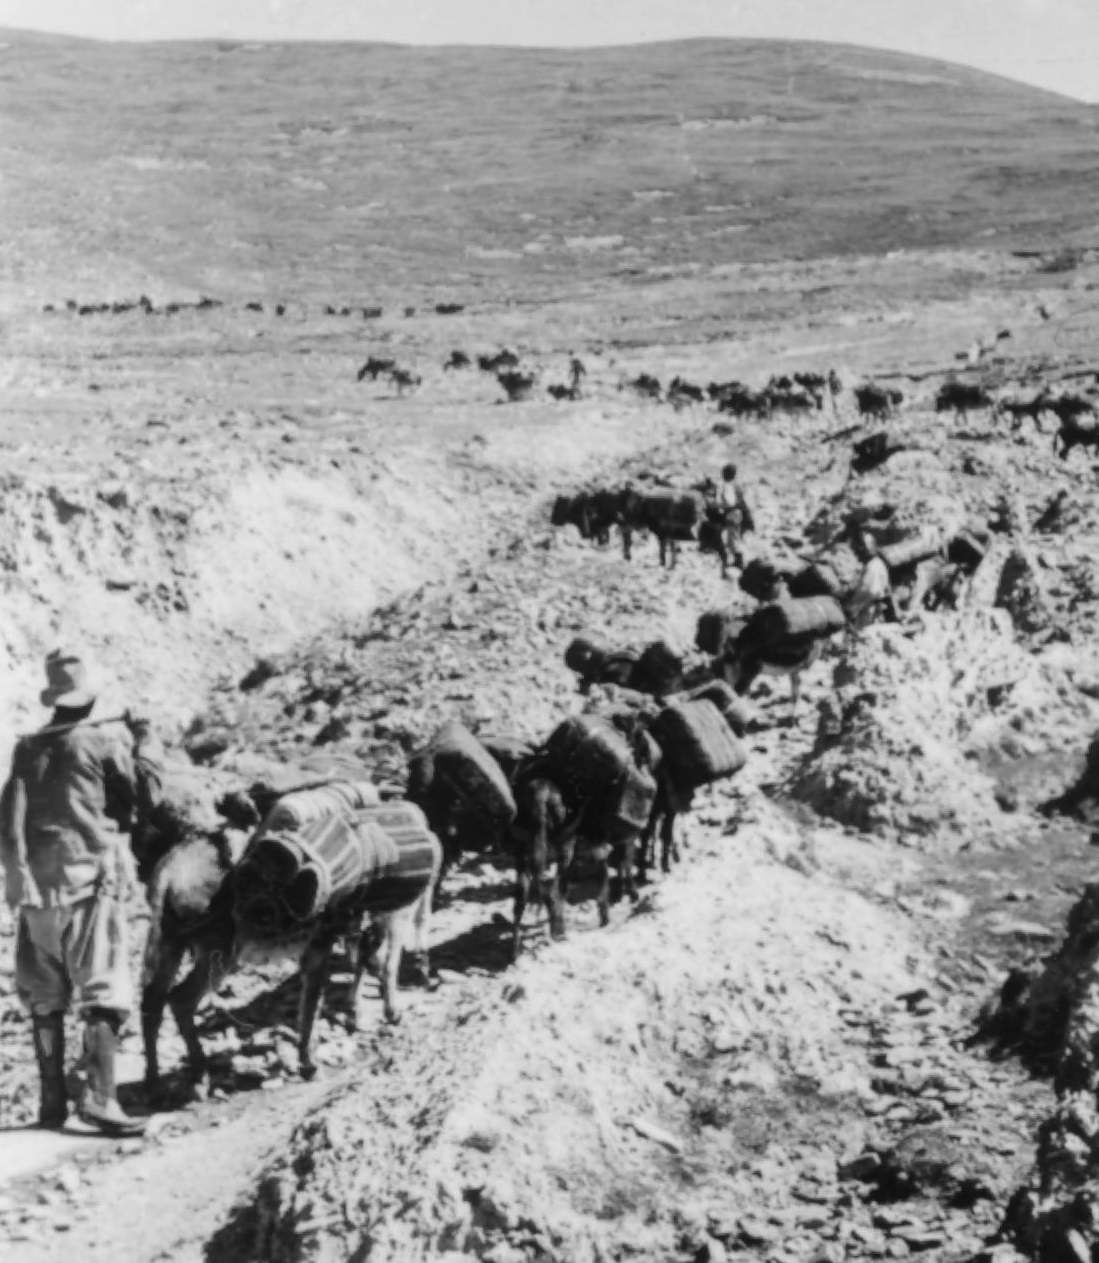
(99, 1106)
(49, 1050)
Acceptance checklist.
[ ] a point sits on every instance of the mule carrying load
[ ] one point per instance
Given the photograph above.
(714, 628)
(908, 553)
(733, 709)
(590, 761)
(321, 850)
(806, 617)
(460, 786)
(596, 664)
(698, 745)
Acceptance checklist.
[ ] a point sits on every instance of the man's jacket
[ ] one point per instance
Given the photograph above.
(69, 800)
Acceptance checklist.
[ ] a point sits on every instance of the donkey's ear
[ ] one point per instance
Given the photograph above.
(238, 809)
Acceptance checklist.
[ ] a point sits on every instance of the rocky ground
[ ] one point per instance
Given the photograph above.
(767, 1057)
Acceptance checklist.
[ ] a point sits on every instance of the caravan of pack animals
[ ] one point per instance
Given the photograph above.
(568, 612)
(336, 859)
(328, 855)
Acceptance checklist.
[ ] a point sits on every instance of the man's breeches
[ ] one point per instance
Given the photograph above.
(75, 955)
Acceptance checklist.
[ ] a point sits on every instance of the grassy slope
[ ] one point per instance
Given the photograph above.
(307, 171)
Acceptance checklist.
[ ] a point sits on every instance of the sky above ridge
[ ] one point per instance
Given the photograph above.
(1049, 43)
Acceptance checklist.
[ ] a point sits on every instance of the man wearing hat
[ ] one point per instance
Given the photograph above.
(733, 517)
(75, 790)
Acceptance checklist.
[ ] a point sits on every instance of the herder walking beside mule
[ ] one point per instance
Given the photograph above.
(728, 520)
(65, 812)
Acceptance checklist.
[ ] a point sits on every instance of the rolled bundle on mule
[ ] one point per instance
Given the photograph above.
(909, 552)
(698, 745)
(509, 752)
(582, 653)
(591, 763)
(818, 578)
(301, 806)
(659, 669)
(609, 667)
(375, 859)
(401, 856)
(455, 764)
(807, 616)
(344, 773)
(758, 578)
(305, 853)
(714, 628)
(733, 709)
(617, 667)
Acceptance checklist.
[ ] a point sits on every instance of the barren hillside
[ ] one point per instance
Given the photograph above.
(386, 174)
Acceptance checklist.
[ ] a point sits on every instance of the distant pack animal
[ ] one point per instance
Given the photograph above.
(817, 384)
(657, 670)
(646, 385)
(516, 385)
(371, 313)
(375, 367)
(962, 398)
(1070, 407)
(682, 392)
(593, 513)
(672, 518)
(783, 638)
(789, 399)
(192, 899)
(504, 359)
(740, 400)
(877, 401)
(404, 380)
(1019, 409)
(560, 392)
(872, 451)
(449, 309)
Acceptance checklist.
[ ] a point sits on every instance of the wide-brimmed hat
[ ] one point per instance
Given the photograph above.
(68, 681)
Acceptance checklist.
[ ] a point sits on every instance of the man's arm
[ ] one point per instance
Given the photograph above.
(19, 884)
(132, 776)
(148, 764)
